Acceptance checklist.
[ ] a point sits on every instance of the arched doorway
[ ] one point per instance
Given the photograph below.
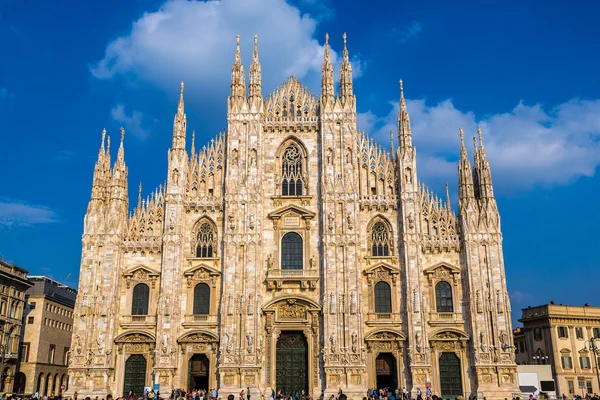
(40, 381)
(47, 385)
(385, 367)
(135, 375)
(20, 381)
(292, 362)
(450, 375)
(198, 372)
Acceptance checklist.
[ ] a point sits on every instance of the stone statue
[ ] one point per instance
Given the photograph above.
(269, 261)
(349, 221)
(331, 219)
(100, 342)
(251, 221)
(249, 341)
(418, 341)
(311, 262)
(354, 341)
(228, 343)
(332, 342)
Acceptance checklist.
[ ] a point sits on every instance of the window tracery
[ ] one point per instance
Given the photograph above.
(381, 240)
(292, 176)
(206, 240)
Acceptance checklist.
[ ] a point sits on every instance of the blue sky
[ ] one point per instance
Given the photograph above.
(527, 73)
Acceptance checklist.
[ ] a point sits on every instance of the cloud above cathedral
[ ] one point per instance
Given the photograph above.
(527, 146)
(194, 41)
(17, 213)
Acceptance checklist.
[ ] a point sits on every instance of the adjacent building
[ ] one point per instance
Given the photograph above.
(293, 252)
(562, 337)
(46, 337)
(13, 284)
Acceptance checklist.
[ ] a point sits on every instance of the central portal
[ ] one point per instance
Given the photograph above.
(198, 372)
(292, 362)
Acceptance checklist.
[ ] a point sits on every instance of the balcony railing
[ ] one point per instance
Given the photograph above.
(200, 319)
(383, 319)
(306, 278)
(445, 318)
(138, 320)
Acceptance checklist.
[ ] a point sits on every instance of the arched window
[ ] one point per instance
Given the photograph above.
(383, 298)
(201, 299)
(291, 251)
(206, 240)
(381, 240)
(292, 177)
(141, 293)
(443, 297)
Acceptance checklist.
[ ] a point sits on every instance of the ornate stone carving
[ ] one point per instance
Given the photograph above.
(291, 310)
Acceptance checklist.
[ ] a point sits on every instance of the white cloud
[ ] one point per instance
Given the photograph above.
(14, 213)
(132, 122)
(194, 41)
(411, 32)
(527, 146)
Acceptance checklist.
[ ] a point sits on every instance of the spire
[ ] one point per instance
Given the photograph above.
(193, 149)
(121, 152)
(102, 152)
(447, 197)
(392, 142)
(255, 94)
(327, 91)
(139, 203)
(484, 174)
(465, 176)
(99, 178)
(238, 79)
(404, 131)
(345, 75)
(179, 123)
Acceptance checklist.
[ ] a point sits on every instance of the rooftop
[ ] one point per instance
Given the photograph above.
(44, 286)
(560, 310)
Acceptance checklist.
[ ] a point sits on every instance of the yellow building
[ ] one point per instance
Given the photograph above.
(293, 252)
(46, 338)
(13, 284)
(563, 337)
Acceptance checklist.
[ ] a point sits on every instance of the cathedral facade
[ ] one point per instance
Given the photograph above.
(292, 252)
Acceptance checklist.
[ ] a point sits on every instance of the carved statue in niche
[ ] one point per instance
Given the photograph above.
(411, 220)
(354, 342)
(332, 303)
(231, 219)
(331, 219)
(252, 157)
(77, 346)
(269, 261)
(408, 175)
(482, 341)
(503, 339)
(229, 305)
(349, 221)
(348, 156)
(311, 262)
(418, 347)
(100, 343)
(165, 343)
(228, 343)
(249, 341)
(332, 342)
(329, 156)
(251, 221)
(234, 157)
(352, 302)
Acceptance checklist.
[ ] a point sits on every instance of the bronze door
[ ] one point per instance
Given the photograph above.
(135, 375)
(450, 376)
(292, 363)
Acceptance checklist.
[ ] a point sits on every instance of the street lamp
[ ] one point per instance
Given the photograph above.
(540, 357)
(594, 349)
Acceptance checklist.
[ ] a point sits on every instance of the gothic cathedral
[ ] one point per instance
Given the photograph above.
(292, 252)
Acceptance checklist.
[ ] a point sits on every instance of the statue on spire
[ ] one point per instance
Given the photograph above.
(327, 90)
(255, 95)
(346, 93)
(404, 130)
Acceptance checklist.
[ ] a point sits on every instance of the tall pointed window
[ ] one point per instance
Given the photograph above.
(201, 299)
(291, 251)
(381, 240)
(443, 297)
(292, 177)
(141, 294)
(383, 298)
(206, 240)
